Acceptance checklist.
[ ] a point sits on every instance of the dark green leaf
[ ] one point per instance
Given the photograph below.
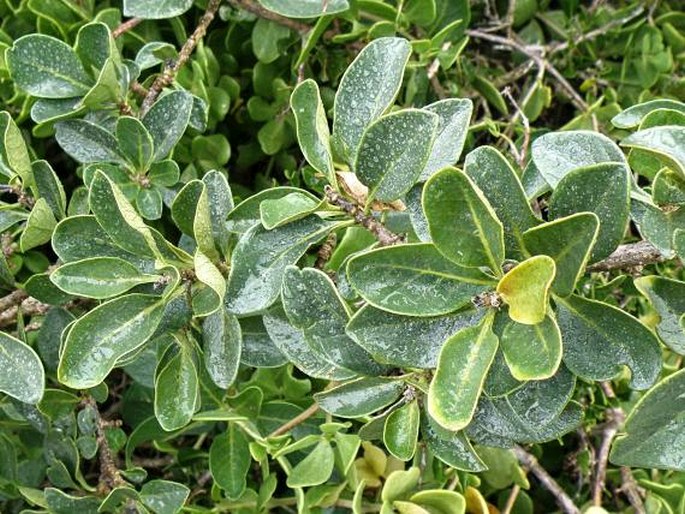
(176, 390)
(667, 296)
(304, 8)
(221, 343)
(167, 121)
(23, 377)
(135, 142)
(87, 142)
(532, 352)
(402, 430)
(229, 461)
(360, 397)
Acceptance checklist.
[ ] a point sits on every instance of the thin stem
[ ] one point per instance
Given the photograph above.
(511, 501)
(631, 490)
(300, 418)
(256, 9)
(628, 256)
(616, 418)
(125, 27)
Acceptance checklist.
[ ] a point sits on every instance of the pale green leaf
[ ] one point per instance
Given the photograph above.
(525, 289)
(39, 226)
(633, 116)
(49, 187)
(156, 9)
(22, 374)
(667, 296)
(666, 143)
(14, 154)
(221, 344)
(305, 8)
(401, 431)
(315, 468)
(291, 207)
(163, 496)
(87, 142)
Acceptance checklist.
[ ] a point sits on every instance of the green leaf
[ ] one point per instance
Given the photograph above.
(291, 207)
(119, 219)
(207, 300)
(313, 305)
(176, 390)
(360, 397)
(599, 339)
(399, 483)
(149, 203)
(654, 429)
(39, 226)
(46, 67)
(458, 381)
(167, 120)
(305, 8)
(558, 153)
(22, 377)
(401, 431)
(603, 189)
(260, 259)
(315, 468)
(440, 501)
(667, 296)
(414, 279)
(247, 213)
(14, 155)
(99, 277)
(203, 226)
(461, 222)
(229, 461)
(454, 115)
(49, 187)
(633, 116)
(525, 288)
(368, 87)
(665, 143)
(452, 448)
(569, 242)
(95, 45)
(164, 496)
(668, 188)
(156, 9)
(98, 339)
(268, 40)
(185, 205)
(221, 344)
(393, 151)
(313, 133)
(87, 142)
(495, 177)
(135, 142)
(532, 352)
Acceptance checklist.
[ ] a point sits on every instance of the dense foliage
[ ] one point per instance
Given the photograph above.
(415, 256)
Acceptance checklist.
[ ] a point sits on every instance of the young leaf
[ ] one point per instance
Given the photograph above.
(49, 187)
(291, 207)
(665, 143)
(440, 500)
(603, 189)
(167, 120)
(87, 142)
(47, 67)
(260, 258)
(94, 45)
(569, 242)
(156, 9)
(558, 153)
(315, 468)
(221, 344)
(525, 288)
(462, 224)
(99, 277)
(207, 300)
(14, 155)
(229, 461)
(393, 151)
(360, 397)
(495, 177)
(667, 296)
(247, 213)
(599, 339)
(462, 367)
(654, 428)
(532, 352)
(39, 226)
(401, 431)
(23, 377)
(176, 391)
(305, 8)
(367, 89)
(454, 115)
(98, 339)
(452, 448)
(149, 203)
(313, 305)
(163, 496)
(632, 116)
(135, 142)
(312, 128)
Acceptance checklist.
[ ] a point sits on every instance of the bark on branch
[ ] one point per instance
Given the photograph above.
(633, 255)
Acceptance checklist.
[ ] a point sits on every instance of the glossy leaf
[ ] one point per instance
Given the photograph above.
(49, 187)
(167, 120)
(452, 448)
(209, 299)
(498, 181)
(393, 151)
(222, 344)
(367, 89)
(401, 431)
(315, 468)
(39, 226)
(603, 189)
(461, 222)
(454, 115)
(569, 242)
(229, 461)
(462, 367)
(176, 391)
(665, 143)
(98, 339)
(558, 153)
(633, 115)
(406, 341)
(22, 377)
(525, 288)
(291, 207)
(313, 305)
(313, 133)
(599, 339)
(156, 9)
(532, 352)
(305, 8)
(414, 279)
(654, 429)
(135, 142)
(99, 277)
(360, 397)
(667, 296)
(87, 142)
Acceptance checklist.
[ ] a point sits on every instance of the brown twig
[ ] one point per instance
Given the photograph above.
(258, 10)
(125, 27)
(523, 153)
(12, 299)
(300, 418)
(384, 236)
(170, 72)
(563, 500)
(631, 490)
(29, 306)
(326, 250)
(615, 420)
(629, 256)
